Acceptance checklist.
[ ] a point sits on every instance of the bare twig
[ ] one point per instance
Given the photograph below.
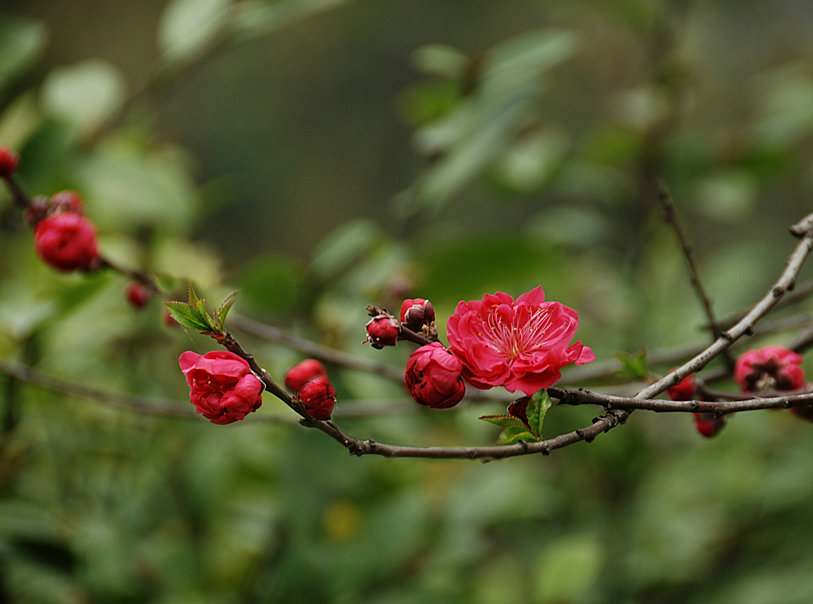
(670, 215)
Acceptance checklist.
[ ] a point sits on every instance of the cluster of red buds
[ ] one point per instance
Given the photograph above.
(309, 382)
(64, 238)
(762, 371)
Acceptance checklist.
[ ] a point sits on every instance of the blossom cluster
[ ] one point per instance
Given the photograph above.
(521, 345)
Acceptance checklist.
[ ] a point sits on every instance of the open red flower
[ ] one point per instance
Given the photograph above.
(769, 368)
(520, 344)
(434, 377)
(66, 241)
(222, 387)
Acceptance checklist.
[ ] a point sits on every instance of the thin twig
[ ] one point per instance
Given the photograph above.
(670, 215)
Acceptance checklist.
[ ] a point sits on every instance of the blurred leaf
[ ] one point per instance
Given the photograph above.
(568, 569)
(633, 366)
(344, 246)
(189, 26)
(428, 101)
(22, 41)
(727, 196)
(529, 163)
(85, 93)
(270, 283)
(440, 60)
(260, 18)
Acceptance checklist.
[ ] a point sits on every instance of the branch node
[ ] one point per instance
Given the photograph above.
(778, 292)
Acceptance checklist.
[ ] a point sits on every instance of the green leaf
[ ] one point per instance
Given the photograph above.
(633, 366)
(84, 94)
(188, 27)
(224, 309)
(504, 421)
(187, 316)
(538, 407)
(509, 436)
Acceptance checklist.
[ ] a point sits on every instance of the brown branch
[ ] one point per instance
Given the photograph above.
(671, 218)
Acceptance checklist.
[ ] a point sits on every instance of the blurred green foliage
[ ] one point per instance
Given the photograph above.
(320, 155)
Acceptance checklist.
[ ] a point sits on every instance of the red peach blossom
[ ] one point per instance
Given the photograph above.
(318, 397)
(223, 389)
(66, 241)
(771, 367)
(521, 345)
(434, 377)
(299, 374)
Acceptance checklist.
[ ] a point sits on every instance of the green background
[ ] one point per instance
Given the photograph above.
(317, 156)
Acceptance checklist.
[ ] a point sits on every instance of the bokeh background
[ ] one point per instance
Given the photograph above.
(320, 155)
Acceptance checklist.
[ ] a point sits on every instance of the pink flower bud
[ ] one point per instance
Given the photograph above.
(300, 374)
(417, 312)
(769, 368)
(318, 397)
(382, 330)
(434, 377)
(138, 294)
(683, 390)
(66, 201)
(707, 424)
(222, 387)
(66, 241)
(8, 162)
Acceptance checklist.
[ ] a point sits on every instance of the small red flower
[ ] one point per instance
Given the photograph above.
(222, 387)
(707, 424)
(66, 241)
(520, 344)
(138, 294)
(382, 330)
(417, 312)
(8, 162)
(434, 377)
(300, 374)
(769, 368)
(66, 201)
(318, 397)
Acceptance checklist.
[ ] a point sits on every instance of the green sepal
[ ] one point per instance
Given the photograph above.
(504, 421)
(536, 411)
(509, 436)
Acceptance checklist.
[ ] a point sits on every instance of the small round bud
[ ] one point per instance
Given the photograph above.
(707, 424)
(66, 241)
(300, 374)
(318, 397)
(434, 377)
(8, 162)
(382, 330)
(417, 312)
(138, 294)
(683, 390)
(66, 201)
